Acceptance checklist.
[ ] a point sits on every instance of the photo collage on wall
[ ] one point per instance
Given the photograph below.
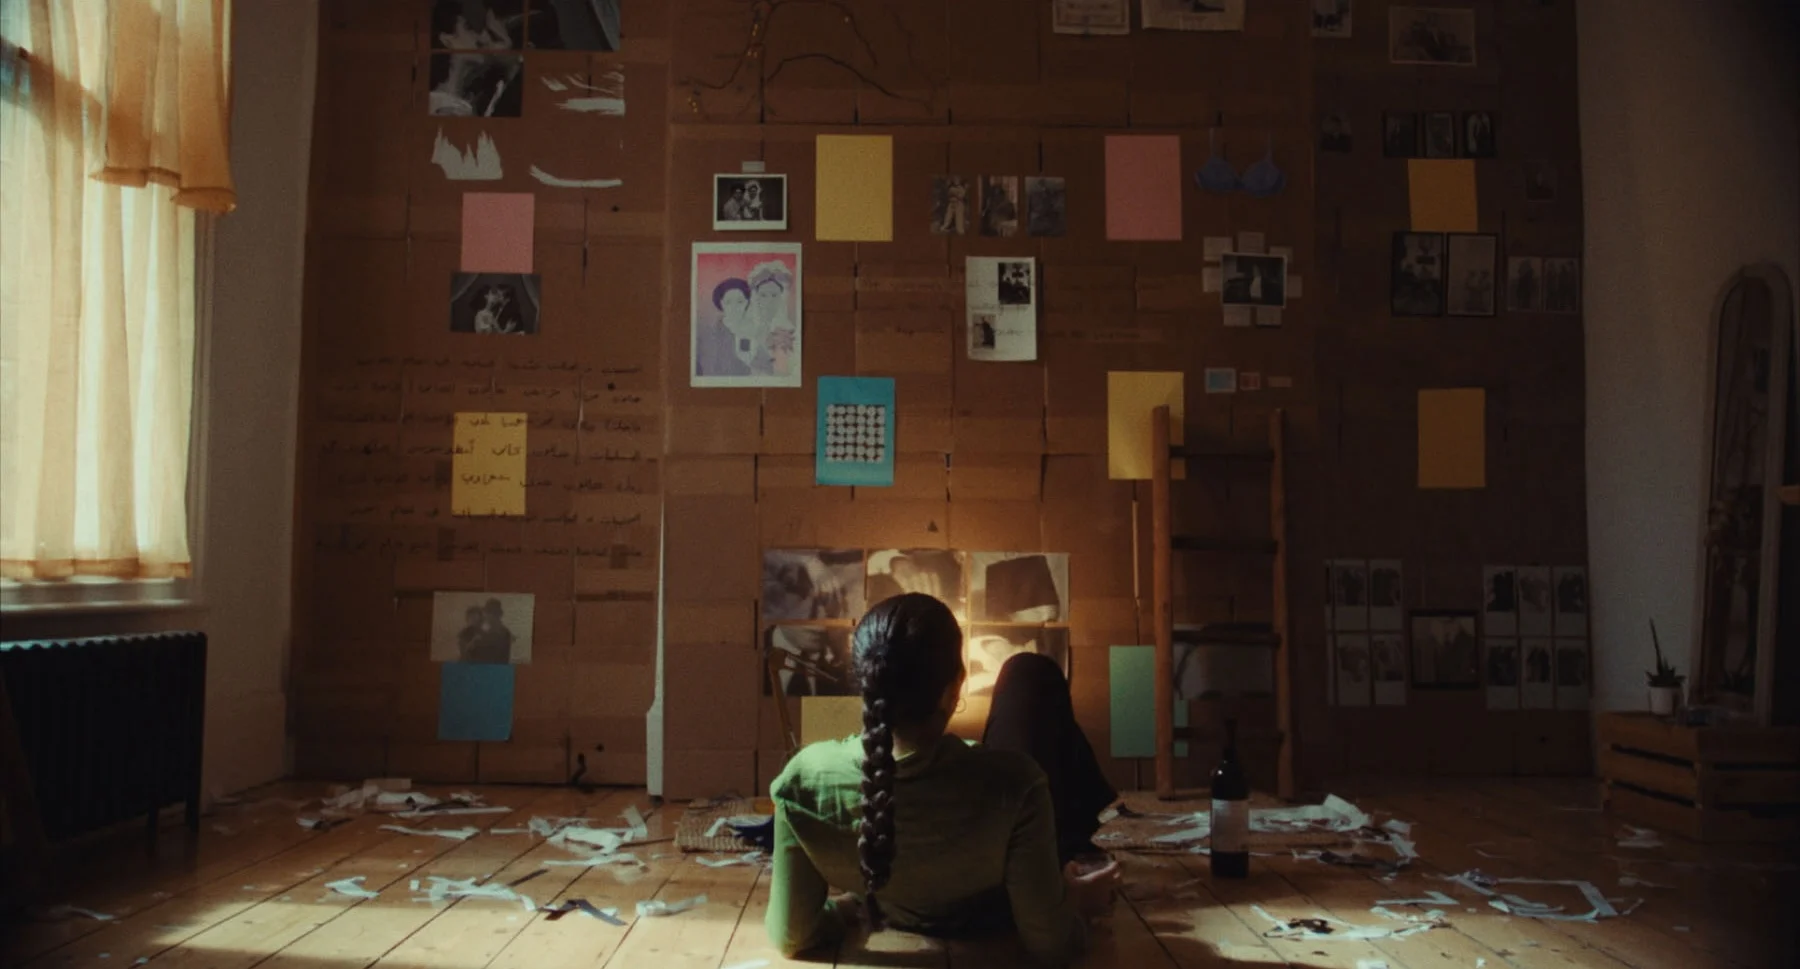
(1007, 603)
(1365, 615)
(1535, 637)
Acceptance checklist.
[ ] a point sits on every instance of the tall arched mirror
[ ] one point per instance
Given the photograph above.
(1749, 611)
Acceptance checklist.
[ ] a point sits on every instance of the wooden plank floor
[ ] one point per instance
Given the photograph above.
(249, 893)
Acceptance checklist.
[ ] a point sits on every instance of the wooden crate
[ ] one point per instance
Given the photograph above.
(1727, 783)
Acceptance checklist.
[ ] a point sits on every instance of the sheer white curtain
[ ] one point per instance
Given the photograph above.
(113, 121)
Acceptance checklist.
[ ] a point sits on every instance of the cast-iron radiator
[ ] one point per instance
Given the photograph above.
(111, 726)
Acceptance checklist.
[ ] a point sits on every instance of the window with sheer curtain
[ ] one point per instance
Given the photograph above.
(113, 136)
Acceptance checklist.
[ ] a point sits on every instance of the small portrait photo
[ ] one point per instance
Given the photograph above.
(1562, 285)
(999, 206)
(1445, 652)
(1502, 663)
(936, 572)
(1018, 587)
(803, 584)
(1046, 207)
(477, 24)
(1440, 134)
(949, 205)
(1524, 284)
(749, 202)
(1334, 132)
(745, 315)
(1331, 18)
(1540, 181)
(481, 627)
(987, 648)
(501, 303)
(983, 331)
(476, 85)
(1400, 134)
(1478, 134)
(1418, 284)
(1472, 286)
(1252, 279)
(573, 25)
(1444, 36)
(808, 661)
(1016, 283)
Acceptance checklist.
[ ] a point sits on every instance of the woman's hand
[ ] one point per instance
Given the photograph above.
(1094, 890)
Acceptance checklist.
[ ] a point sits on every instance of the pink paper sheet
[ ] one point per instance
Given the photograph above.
(496, 231)
(1143, 188)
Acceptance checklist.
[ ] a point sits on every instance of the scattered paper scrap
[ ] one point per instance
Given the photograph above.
(607, 915)
(747, 858)
(454, 834)
(1430, 898)
(1484, 884)
(752, 964)
(1632, 836)
(441, 889)
(616, 858)
(657, 908)
(1324, 927)
(1632, 881)
(56, 912)
(353, 887)
(1371, 964)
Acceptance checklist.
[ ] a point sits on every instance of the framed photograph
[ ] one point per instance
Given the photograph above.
(1399, 134)
(1192, 14)
(939, 573)
(1477, 131)
(477, 24)
(949, 205)
(1335, 133)
(1331, 18)
(999, 206)
(1540, 181)
(805, 584)
(744, 203)
(987, 648)
(1562, 285)
(476, 85)
(1524, 284)
(1440, 134)
(1473, 287)
(1445, 652)
(1018, 587)
(573, 25)
(1252, 279)
(1441, 36)
(744, 315)
(809, 661)
(494, 303)
(481, 627)
(1418, 274)
(1046, 207)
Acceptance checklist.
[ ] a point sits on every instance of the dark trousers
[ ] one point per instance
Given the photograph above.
(1032, 714)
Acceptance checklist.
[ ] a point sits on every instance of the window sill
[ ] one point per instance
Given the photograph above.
(96, 597)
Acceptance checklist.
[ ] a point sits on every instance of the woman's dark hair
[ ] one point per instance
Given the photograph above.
(908, 651)
(727, 286)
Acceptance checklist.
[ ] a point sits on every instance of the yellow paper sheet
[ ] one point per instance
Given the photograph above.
(1443, 194)
(1130, 397)
(854, 196)
(1453, 438)
(488, 467)
(829, 718)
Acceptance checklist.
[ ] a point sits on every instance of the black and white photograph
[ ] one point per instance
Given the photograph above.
(1536, 600)
(481, 627)
(1537, 684)
(749, 202)
(1418, 282)
(1351, 669)
(1252, 279)
(808, 661)
(1571, 674)
(1400, 134)
(950, 205)
(1471, 275)
(1347, 585)
(987, 648)
(1500, 667)
(939, 573)
(1445, 652)
(1387, 593)
(573, 25)
(1331, 18)
(1046, 207)
(984, 333)
(1562, 285)
(1524, 284)
(1016, 283)
(807, 584)
(1540, 181)
(477, 24)
(498, 303)
(1570, 582)
(999, 206)
(1335, 134)
(1442, 36)
(1478, 134)
(1018, 587)
(1387, 668)
(476, 85)
(1499, 600)
(1439, 134)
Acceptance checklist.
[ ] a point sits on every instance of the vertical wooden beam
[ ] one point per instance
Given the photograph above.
(1284, 667)
(1160, 595)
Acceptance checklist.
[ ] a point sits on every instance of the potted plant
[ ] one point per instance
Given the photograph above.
(1665, 683)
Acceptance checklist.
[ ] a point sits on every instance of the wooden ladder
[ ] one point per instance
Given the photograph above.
(1166, 544)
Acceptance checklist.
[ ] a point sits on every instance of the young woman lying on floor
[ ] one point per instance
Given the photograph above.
(944, 837)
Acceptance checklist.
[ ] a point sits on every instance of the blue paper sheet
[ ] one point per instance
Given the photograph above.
(475, 701)
(855, 444)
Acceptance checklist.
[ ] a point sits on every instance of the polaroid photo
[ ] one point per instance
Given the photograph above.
(1524, 284)
(808, 661)
(939, 573)
(1537, 688)
(1387, 594)
(1540, 181)
(573, 25)
(744, 315)
(1562, 285)
(1418, 281)
(476, 85)
(1499, 600)
(1018, 587)
(743, 203)
(811, 584)
(999, 206)
(495, 303)
(1098, 17)
(1212, 670)
(1572, 674)
(1399, 134)
(987, 648)
(1472, 285)
(1331, 18)
(1536, 600)
(1477, 130)
(1046, 207)
(477, 24)
(1253, 279)
(1335, 134)
(1351, 669)
(1439, 134)
(1441, 36)
(949, 205)
(1347, 582)
(1500, 664)
(1445, 652)
(481, 627)
(1192, 14)
(1571, 617)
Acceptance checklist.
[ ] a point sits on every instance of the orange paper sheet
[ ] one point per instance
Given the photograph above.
(1143, 188)
(1453, 438)
(496, 231)
(1443, 194)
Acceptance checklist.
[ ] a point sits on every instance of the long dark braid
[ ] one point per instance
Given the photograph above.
(908, 652)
